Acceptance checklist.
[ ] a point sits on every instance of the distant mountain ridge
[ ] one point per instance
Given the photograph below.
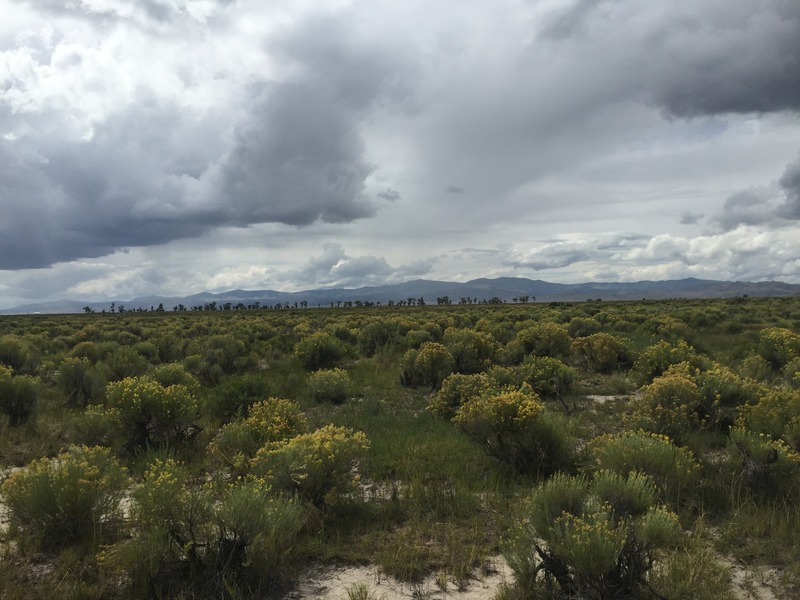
(504, 289)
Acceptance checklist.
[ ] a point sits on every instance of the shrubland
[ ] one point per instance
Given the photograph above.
(606, 449)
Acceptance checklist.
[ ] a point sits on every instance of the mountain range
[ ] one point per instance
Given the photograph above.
(504, 289)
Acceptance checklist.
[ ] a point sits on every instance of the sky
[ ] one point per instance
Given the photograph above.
(176, 146)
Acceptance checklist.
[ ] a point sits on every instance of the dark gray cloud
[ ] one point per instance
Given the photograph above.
(774, 206)
(389, 194)
(698, 58)
(690, 218)
(151, 172)
(726, 57)
(790, 186)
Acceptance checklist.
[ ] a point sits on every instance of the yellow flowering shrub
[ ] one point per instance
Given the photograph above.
(270, 422)
(656, 359)
(150, 414)
(456, 390)
(778, 346)
(777, 413)
(669, 405)
(427, 367)
(68, 499)
(329, 385)
(319, 466)
(601, 352)
(514, 426)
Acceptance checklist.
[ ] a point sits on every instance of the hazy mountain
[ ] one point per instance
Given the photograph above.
(504, 288)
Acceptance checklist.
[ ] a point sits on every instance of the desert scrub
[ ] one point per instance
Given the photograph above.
(656, 359)
(515, 427)
(427, 367)
(70, 499)
(256, 530)
(723, 394)
(456, 390)
(541, 339)
(320, 466)
(148, 414)
(270, 422)
(82, 381)
(602, 352)
(18, 396)
(777, 413)
(472, 351)
(329, 385)
(669, 405)
(768, 468)
(549, 377)
(205, 537)
(590, 538)
(320, 350)
(674, 469)
(778, 346)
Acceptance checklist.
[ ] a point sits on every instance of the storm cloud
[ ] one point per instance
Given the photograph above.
(251, 144)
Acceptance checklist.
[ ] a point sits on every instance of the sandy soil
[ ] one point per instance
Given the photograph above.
(335, 583)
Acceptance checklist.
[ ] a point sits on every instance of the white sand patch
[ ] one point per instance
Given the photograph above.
(334, 583)
(602, 399)
(751, 583)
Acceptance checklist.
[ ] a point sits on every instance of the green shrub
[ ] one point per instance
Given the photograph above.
(329, 385)
(151, 415)
(548, 376)
(590, 539)
(540, 339)
(756, 368)
(674, 469)
(17, 354)
(66, 500)
(473, 351)
(171, 518)
(124, 362)
(583, 326)
(374, 336)
(216, 356)
(18, 396)
(416, 337)
(768, 468)
(196, 539)
(514, 427)
(175, 374)
(82, 381)
(320, 350)
(319, 466)
(270, 422)
(427, 367)
(602, 352)
(256, 530)
(666, 327)
(235, 394)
